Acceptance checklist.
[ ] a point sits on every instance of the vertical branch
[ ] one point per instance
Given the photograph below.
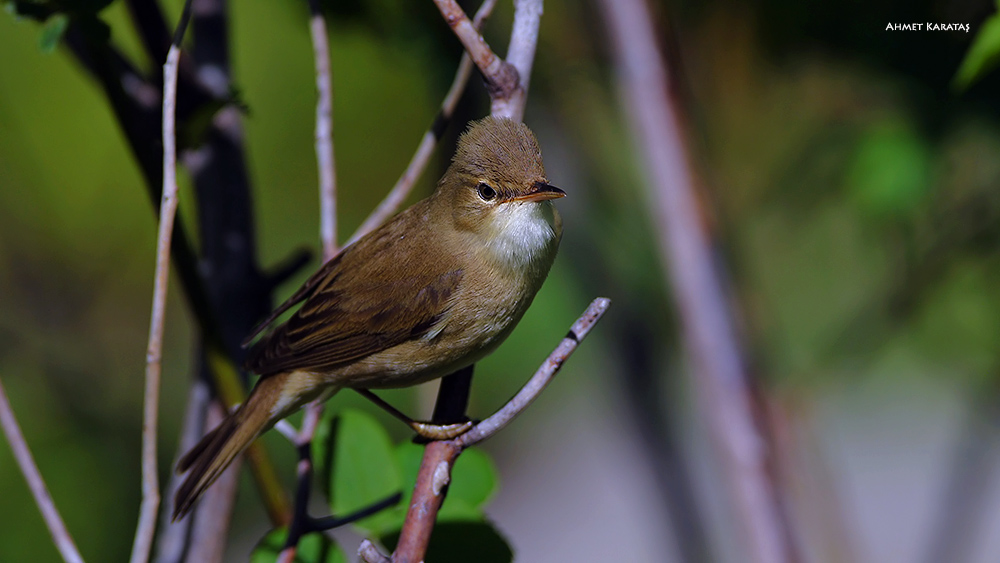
(708, 326)
(168, 209)
(324, 132)
(328, 235)
(521, 56)
(60, 535)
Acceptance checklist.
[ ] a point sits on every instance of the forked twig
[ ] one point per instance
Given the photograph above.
(19, 447)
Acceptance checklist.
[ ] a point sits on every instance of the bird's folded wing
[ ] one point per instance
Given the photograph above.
(355, 311)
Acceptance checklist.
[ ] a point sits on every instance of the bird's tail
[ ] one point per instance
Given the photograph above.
(273, 398)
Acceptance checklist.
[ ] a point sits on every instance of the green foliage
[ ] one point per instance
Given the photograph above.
(363, 470)
(890, 173)
(312, 548)
(982, 57)
(52, 32)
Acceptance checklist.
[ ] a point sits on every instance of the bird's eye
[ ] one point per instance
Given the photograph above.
(485, 191)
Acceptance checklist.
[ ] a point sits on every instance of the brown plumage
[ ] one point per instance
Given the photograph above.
(433, 290)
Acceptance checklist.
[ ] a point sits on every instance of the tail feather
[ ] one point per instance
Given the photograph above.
(213, 454)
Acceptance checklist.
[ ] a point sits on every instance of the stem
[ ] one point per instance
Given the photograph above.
(709, 331)
(60, 535)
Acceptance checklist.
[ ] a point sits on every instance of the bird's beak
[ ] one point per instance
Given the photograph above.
(540, 191)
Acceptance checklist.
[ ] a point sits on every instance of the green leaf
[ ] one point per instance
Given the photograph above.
(982, 57)
(313, 548)
(52, 32)
(890, 172)
(363, 469)
(460, 542)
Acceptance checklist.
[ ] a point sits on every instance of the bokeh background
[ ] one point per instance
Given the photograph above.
(851, 190)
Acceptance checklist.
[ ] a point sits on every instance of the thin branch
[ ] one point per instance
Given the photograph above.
(19, 447)
(541, 379)
(324, 132)
(146, 528)
(520, 56)
(172, 539)
(501, 78)
(708, 326)
(328, 234)
(370, 554)
(422, 156)
(439, 457)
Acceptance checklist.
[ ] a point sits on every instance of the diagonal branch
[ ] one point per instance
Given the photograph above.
(60, 535)
(538, 382)
(501, 78)
(422, 156)
(439, 457)
(719, 370)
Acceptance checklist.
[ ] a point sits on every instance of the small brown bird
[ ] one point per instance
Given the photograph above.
(434, 290)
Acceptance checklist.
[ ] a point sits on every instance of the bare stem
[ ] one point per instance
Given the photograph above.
(439, 457)
(60, 535)
(422, 156)
(520, 56)
(501, 78)
(709, 330)
(370, 554)
(146, 528)
(324, 132)
(541, 379)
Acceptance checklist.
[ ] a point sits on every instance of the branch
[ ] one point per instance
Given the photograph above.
(324, 132)
(708, 325)
(19, 447)
(500, 77)
(422, 156)
(146, 527)
(328, 234)
(541, 379)
(439, 457)
(520, 56)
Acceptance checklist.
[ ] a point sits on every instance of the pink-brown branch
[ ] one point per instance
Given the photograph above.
(19, 447)
(146, 528)
(324, 133)
(709, 330)
(422, 156)
(439, 457)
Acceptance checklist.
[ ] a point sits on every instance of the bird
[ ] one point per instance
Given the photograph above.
(433, 290)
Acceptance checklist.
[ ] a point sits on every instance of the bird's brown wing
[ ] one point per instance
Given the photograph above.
(360, 307)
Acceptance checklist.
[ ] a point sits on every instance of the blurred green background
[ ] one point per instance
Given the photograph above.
(852, 193)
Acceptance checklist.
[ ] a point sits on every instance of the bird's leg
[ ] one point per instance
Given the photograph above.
(426, 430)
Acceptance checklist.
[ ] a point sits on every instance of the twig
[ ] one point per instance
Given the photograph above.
(540, 380)
(60, 535)
(422, 156)
(520, 56)
(500, 77)
(328, 233)
(324, 132)
(699, 294)
(173, 536)
(439, 457)
(370, 554)
(146, 528)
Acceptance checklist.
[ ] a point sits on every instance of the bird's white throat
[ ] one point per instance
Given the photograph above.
(524, 234)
